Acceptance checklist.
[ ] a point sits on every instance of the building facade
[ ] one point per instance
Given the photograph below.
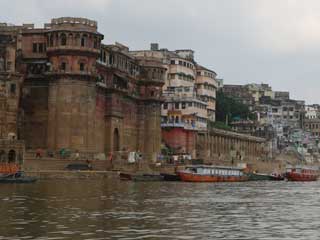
(189, 96)
(72, 92)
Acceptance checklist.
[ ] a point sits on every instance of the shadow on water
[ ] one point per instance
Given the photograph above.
(113, 209)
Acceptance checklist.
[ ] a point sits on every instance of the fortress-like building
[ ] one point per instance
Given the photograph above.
(60, 87)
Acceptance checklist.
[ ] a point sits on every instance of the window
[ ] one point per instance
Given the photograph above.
(165, 106)
(63, 38)
(180, 62)
(51, 41)
(41, 47)
(95, 43)
(63, 66)
(34, 47)
(190, 104)
(83, 41)
(172, 62)
(176, 105)
(12, 88)
(81, 66)
(177, 119)
(183, 105)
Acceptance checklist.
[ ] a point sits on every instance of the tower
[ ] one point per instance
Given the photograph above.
(73, 46)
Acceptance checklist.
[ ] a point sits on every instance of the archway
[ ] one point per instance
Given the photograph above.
(2, 156)
(116, 140)
(11, 156)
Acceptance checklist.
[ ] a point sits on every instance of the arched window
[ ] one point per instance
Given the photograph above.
(63, 66)
(83, 40)
(95, 42)
(63, 39)
(51, 41)
(82, 66)
(11, 156)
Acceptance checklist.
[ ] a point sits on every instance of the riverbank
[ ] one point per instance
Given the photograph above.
(58, 174)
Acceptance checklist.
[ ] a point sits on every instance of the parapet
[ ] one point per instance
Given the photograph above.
(57, 22)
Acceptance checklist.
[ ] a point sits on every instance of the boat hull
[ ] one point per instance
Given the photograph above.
(19, 180)
(191, 177)
(170, 177)
(299, 177)
(264, 177)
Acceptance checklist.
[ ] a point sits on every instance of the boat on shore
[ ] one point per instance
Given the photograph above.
(208, 173)
(302, 173)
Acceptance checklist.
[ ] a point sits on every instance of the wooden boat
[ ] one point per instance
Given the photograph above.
(206, 173)
(141, 177)
(170, 177)
(18, 177)
(302, 173)
(147, 178)
(264, 177)
(125, 176)
(24, 179)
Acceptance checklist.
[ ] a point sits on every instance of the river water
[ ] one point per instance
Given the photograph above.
(114, 209)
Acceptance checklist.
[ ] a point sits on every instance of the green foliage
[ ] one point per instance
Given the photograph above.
(228, 106)
(219, 125)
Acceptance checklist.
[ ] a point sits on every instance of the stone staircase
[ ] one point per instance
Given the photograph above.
(31, 163)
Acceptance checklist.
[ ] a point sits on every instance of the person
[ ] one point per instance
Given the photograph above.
(38, 153)
(77, 155)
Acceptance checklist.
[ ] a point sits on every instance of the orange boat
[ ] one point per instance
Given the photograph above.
(302, 173)
(205, 173)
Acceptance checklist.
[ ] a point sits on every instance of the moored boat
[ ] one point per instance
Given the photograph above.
(170, 177)
(207, 173)
(302, 173)
(141, 177)
(147, 178)
(18, 177)
(264, 177)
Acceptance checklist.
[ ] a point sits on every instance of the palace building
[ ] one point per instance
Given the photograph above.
(61, 88)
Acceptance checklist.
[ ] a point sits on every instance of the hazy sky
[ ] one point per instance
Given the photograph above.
(244, 41)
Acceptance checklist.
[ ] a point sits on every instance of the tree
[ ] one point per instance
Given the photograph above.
(229, 109)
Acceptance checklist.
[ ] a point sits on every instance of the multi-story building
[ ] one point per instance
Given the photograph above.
(77, 93)
(189, 96)
(312, 111)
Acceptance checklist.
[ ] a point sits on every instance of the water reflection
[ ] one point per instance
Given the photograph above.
(105, 209)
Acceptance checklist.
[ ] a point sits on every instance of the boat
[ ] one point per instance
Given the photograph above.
(18, 177)
(141, 177)
(24, 179)
(264, 177)
(302, 173)
(208, 173)
(147, 177)
(170, 177)
(125, 176)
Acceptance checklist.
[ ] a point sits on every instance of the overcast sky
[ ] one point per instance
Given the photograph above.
(244, 41)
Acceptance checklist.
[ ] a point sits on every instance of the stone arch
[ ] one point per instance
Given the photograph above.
(63, 39)
(116, 140)
(11, 156)
(84, 40)
(2, 156)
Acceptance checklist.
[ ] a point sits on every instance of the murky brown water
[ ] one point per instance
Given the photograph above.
(105, 209)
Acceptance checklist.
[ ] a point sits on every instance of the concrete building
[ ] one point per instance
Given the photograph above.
(189, 97)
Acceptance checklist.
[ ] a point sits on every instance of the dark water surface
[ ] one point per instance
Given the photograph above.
(112, 209)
